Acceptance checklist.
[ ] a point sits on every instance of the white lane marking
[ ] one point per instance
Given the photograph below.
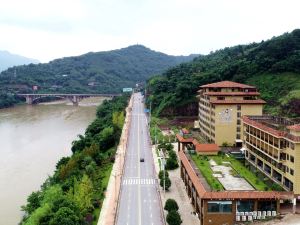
(136, 181)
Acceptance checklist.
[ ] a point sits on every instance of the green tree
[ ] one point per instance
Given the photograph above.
(65, 216)
(173, 218)
(167, 183)
(106, 138)
(161, 174)
(170, 205)
(33, 202)
(82, 193)
(171, 164)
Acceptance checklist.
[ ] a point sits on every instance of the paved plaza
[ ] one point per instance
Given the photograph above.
(224, 173)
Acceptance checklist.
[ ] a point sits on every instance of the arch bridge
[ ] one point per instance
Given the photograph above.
(74, 98)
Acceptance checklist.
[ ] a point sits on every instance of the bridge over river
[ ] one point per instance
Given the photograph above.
(74, 98)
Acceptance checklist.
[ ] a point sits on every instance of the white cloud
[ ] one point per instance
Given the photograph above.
(49, 29)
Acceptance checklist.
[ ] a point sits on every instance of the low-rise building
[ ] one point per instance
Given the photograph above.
(228, 206)
(272, 146)
(221, 107)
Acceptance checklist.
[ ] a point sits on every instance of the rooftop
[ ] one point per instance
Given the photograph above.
(231, 93)
(295, 127)
(204, 191)
(274, 125)
(226, 84)
(238, 101)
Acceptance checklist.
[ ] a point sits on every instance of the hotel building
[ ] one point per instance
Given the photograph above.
(272, 146)
(221, 107)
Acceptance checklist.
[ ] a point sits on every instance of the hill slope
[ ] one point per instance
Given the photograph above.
(8, 60)
(273, 66)
(100, 72)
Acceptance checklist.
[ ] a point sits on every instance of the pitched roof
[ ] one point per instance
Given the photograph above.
(237, 101)
(236, 93)
(192, 174)
(295, 127)
(207, 148)
(226, 84)
(184, 140)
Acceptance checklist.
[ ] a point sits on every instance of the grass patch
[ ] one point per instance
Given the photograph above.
(204, 166)
(238, 168)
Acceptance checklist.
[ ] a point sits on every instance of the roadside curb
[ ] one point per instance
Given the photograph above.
(110, 204)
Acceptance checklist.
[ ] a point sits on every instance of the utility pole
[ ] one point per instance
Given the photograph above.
(164, 176)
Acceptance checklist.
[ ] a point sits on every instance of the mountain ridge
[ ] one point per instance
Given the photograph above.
(99, 72)
(8, 59)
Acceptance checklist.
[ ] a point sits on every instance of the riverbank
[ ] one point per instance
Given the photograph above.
(33, 139)
(76, 190)
(111, 201)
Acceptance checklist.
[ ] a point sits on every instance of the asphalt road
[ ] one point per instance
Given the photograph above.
(139, 200)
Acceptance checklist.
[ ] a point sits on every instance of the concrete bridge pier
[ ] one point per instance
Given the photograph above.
(29, 100)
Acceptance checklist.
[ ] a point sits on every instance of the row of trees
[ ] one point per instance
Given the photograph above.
(76, 189)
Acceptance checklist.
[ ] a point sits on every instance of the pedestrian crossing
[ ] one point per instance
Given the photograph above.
(136, 181)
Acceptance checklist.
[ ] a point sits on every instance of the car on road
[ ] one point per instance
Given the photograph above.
(142, 160)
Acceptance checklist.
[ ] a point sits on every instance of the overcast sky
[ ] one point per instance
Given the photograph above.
(49, 29)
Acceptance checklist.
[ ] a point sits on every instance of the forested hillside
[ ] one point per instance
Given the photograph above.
(273, 66)
(100, 72)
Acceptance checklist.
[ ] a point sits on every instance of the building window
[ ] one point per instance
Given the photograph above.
(245, 206)
(238, 129)
(238, 114)
(238, 107)
(292, 146)
(219, 206)
(292, 159)
(220, 98)
(292, 172)
(238, 136)
(238, 122)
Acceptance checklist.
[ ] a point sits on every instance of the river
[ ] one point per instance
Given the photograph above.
(32, 140)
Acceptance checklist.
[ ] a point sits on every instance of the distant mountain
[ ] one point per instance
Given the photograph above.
(8, 60)
(94, 72)
(273, 66)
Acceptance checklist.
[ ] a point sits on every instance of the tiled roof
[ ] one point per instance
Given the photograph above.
(233, 101)
(211, 93)
(226, 84)
(207, 148)
(191, 173)
(295, 127)
(184, 140)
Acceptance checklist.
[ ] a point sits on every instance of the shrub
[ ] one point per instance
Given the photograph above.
(173, 218)
(167, 183)
(170, 205)
(171, 164)
(161, 174)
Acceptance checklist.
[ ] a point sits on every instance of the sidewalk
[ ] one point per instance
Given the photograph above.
(177, 192)
(110, 204)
